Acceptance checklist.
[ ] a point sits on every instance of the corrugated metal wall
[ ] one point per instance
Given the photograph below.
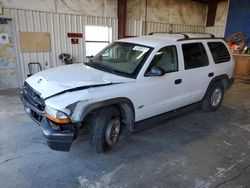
(58, 25)
(218, 31)
(137, 28)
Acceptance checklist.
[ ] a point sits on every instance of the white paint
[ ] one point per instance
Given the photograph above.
(246, 127)
(102, 182)
(56, 80)
(198, 183)
(221, 173)
(167, 95)
(3, 114)
(227, 143)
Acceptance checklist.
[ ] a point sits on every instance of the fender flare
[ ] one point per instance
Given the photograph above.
(215, 79)
(105, 103)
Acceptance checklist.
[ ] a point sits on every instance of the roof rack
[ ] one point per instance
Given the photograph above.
(185, 35)
(211, 35)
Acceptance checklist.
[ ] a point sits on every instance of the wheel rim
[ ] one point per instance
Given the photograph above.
(216, 97)
(113, 131)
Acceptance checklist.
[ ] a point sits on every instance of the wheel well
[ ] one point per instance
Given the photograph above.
(222, 79)
(224, 83)
(125, 108)
(127, 114)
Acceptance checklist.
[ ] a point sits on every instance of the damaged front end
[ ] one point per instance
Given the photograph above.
(58, 135)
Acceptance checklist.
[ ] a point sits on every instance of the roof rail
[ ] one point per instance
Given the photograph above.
(184, 35)
(211, 35)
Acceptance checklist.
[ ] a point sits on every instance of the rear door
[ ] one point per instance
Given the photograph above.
(197, 72)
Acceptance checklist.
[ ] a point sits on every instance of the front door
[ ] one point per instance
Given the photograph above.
(159, 94)
(8, 64)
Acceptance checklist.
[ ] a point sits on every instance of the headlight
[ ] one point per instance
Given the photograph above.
(56, 115)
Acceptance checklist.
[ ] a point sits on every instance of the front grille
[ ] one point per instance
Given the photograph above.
(34, 102)
(33, 97)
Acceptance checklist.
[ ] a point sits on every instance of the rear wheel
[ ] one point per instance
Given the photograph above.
(213, 98)
(105, 129)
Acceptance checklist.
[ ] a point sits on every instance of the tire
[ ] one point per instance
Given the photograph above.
(213, 98)
(102, 125)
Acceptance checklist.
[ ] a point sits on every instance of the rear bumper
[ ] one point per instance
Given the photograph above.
(57, 139)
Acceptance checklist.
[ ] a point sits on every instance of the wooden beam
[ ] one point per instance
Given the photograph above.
(211, 13)
(122, 8)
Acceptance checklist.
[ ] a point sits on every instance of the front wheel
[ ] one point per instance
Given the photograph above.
(213, 98)
(105, 129)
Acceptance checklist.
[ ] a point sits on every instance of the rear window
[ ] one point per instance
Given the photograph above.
(219, 52)
(195, 55)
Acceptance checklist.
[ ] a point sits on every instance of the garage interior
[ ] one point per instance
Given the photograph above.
(195, 149)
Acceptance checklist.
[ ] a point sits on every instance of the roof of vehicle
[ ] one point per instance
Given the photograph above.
(154, 40)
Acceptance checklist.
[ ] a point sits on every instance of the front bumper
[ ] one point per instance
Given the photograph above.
(59, 140)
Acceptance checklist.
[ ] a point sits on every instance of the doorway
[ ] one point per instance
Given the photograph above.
(8, 63)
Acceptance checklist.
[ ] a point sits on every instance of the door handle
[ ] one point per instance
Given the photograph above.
(211, 74)
(178, 81)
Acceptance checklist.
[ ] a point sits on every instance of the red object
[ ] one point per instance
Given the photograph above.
(74, 41)
(74, 35)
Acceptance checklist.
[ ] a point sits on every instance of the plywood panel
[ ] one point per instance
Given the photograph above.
(34, 41)
(242, 65)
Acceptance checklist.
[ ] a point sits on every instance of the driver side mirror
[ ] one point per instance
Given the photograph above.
(155, 71)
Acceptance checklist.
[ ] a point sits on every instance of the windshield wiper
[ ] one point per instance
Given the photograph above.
(109, 69)
(91, 63)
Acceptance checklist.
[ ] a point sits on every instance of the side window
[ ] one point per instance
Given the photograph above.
(219, 52)
(166, 58)
(194, 55)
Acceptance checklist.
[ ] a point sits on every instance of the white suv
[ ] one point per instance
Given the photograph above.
(131, 80)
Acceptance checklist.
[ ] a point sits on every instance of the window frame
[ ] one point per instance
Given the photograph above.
(203, 57)
(165, 72)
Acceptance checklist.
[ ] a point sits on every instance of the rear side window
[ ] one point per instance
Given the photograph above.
(219, 52)
(195, 55)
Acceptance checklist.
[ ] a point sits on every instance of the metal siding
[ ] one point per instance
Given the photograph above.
(58, 25)
(218, 31)
(137, 28)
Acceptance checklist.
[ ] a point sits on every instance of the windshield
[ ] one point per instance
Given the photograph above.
(125, 59)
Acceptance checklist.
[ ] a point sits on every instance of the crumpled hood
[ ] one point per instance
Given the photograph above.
(67, 77)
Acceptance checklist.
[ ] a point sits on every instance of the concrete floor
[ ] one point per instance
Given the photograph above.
(196, 149)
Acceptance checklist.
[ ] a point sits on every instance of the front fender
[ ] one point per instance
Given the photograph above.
(86, 109)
